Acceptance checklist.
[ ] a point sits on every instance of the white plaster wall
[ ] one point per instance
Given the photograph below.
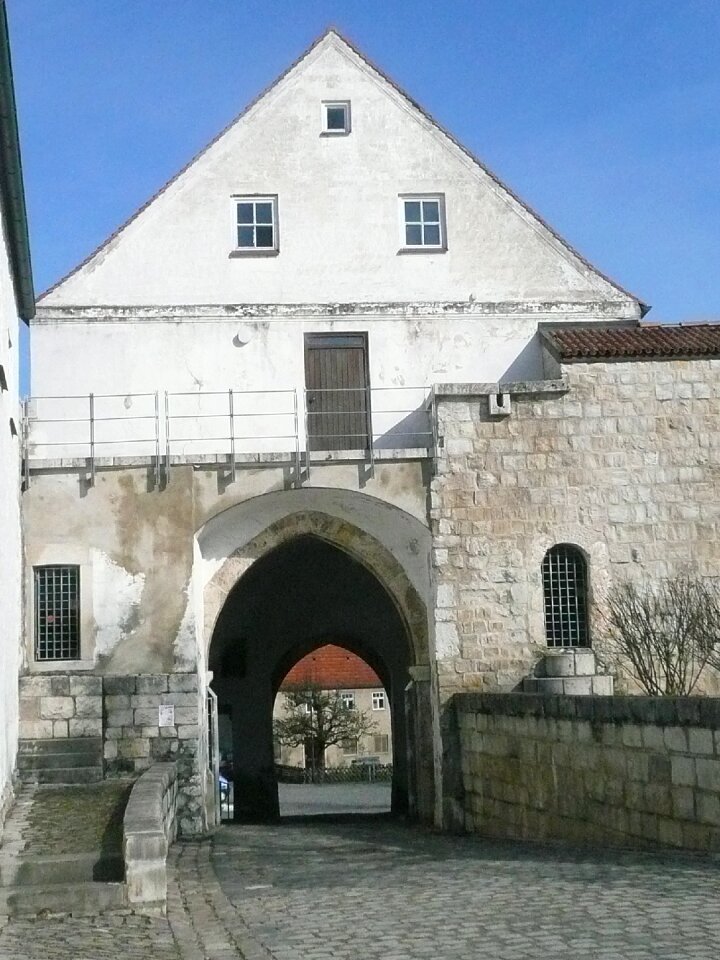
(339, 218)
(403, 535)
(10, 542)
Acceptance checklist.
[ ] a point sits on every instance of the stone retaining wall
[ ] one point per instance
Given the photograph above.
(124, 712)
(619, 770)
(149, 827)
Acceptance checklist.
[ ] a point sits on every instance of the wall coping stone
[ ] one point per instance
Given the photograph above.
(149, 827)
(663, 711)
(445, 391)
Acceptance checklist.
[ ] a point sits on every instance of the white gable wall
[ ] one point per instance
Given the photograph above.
(338, 213)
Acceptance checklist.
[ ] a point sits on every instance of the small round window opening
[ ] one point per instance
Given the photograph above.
(336, 117)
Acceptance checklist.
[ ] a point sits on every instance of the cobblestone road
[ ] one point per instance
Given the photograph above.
(366, 889)
(315, 890)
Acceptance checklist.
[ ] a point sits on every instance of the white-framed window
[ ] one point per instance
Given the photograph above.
(256, 224)
(378, 700)
(335, 117)
(347, 698)
(423, 222)
(381, 743)
(57, 612)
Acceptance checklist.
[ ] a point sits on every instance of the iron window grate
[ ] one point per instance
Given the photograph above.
(57, 613)
(564, 574)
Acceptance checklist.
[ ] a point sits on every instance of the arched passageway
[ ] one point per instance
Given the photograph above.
(298, 596)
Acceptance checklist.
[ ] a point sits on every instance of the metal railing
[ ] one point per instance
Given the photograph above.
(241, 427)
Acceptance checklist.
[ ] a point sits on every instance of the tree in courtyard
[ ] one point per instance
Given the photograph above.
(320, 718)
(666, 635)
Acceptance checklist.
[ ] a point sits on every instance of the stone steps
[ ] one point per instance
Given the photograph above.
(48, 869)
(71, 760)
(78, 899)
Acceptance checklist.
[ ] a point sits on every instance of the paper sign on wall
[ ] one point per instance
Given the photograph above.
(166, 715)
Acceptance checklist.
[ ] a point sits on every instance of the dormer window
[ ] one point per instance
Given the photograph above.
(335, 117)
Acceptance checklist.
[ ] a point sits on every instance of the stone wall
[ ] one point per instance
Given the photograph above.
(621, 459)
(124, 712)
(60, 706)
(620, 770)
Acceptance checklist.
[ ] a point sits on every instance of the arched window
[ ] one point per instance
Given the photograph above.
(564, 574)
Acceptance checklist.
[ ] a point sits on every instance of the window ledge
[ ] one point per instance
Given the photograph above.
(59, 666)
(334, 133)
(403, 251)
(240, 254)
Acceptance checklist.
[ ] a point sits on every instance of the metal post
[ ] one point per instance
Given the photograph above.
(167, 438)
(92, 439)
(434, 430)
(25, 427)
(307, 435)
(214, 749)
(157, 439)
(296, 427)
(231, 401)
(371, 438)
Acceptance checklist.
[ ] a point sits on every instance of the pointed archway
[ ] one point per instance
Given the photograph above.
(291, 600)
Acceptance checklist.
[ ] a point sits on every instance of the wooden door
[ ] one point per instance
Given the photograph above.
(336, 381)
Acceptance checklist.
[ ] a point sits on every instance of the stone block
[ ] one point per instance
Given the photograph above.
(119, 718)
(653, 738)
(30, 709)
(119, 685)
(683, 803)
(700, 741)
(708, 807)
(578, 686)
(132, 749)
(60, 729)
(31, 687)
(676, 739)
(89, 707)
(188, 731)
(180, 699)
(86, 686)
(145, 701)
(631, 735)
(185, 715)
(36, 729)
(117, 701)
(683, 771)
(708, 774)
(60, 686)
(669, 832)
(145, 716)
(110, 749)
(57, 708)
(85, 728)
(183, 682)
(152, 683)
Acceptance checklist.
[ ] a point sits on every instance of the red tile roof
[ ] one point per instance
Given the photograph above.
(644, 342)
(332, 668)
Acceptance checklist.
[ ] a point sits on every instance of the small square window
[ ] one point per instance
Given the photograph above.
(256, 224)
(423, 223)
(336, 117)
(378, 700)
(57, 613)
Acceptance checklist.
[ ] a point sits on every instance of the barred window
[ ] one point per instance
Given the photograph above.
(564, 574)
(57, 613)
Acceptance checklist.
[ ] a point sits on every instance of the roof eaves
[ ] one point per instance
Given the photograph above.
(11, 181)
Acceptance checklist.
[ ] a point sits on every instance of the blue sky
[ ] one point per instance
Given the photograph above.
(604, 115)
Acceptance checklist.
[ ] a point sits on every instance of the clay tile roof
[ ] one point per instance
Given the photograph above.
(644, 342)
(332, 668)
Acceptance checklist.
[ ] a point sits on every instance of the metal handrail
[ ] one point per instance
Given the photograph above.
(170, 428)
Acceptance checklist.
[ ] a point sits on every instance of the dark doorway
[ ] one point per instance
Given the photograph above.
(337, 391)
(298, 597)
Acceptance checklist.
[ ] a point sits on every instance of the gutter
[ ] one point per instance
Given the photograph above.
(12, 194)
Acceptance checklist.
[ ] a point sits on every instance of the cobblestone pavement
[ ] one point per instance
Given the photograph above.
(308, 799)
(372, 888)
(364, 890)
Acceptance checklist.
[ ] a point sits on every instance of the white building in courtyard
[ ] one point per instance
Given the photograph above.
(318, 389)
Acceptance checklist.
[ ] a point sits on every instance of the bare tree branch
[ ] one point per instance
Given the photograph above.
(665, 636)
(321, 716)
